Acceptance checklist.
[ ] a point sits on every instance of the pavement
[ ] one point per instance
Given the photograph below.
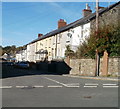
(94, 77)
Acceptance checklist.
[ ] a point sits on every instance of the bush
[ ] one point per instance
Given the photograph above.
(107, 38)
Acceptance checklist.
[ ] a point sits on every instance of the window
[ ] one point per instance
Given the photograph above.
(69, 35)
(58, 39)
(46, 43)
(53, 40)
(49, 42)
(67, 41)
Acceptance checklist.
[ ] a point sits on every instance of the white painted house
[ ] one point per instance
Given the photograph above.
(21, 55)
(31, 56)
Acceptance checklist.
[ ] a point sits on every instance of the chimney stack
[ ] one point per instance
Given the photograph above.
(61, 23)
(39, 35)
(87, 11)
(100, 7)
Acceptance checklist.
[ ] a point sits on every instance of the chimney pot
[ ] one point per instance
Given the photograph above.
(87, 11)
(39, 35)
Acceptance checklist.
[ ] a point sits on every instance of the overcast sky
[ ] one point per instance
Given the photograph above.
(22, 21)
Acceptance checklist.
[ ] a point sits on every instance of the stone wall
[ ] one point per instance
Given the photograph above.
(113, 66)
(86, 67)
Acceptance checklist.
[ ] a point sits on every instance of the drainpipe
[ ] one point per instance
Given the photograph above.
(56, 48)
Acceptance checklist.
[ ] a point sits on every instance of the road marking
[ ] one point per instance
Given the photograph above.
(21, 86)
(90, 86)
(60, 82)
(54, 86)
(38, 86)
(111, 86)
(72, 86)
(5, 87)
(56, 81)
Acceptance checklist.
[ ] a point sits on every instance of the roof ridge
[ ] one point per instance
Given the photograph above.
(82, 20)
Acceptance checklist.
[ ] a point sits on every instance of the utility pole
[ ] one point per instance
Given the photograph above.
(97, 15)
(97, 58)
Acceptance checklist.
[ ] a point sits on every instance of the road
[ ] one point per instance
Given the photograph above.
(37, 90)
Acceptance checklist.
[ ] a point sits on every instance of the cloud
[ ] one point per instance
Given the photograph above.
(64, 11)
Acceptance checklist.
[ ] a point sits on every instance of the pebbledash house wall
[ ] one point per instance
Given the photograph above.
(86, 67)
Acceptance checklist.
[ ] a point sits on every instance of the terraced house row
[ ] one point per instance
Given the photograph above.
(53, 44)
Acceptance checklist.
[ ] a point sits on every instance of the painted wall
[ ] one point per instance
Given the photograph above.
(73, 37)
(56, 45)
(31, 55)
(21, 56)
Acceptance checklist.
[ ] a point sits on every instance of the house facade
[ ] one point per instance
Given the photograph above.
(21, 55)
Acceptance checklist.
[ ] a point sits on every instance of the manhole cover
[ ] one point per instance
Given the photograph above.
(88, 97)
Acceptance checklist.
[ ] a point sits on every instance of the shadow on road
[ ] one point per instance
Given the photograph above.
(41, 68)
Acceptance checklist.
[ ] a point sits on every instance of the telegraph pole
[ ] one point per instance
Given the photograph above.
(97, 15)
(97, 27)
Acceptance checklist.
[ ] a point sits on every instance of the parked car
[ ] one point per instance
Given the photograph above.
(22, 65)
(10, 63)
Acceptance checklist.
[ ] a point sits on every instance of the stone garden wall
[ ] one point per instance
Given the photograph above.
(86, 67)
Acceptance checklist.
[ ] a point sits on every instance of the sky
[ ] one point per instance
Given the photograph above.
(23, 21)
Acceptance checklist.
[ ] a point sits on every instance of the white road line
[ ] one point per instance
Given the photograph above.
(5, 87)
(21, 86)
(56, 81)
(90, 86)
(66, 85)
(38, 86)
(54, 86)
(72, 86)
(60, 83)
(110, 86)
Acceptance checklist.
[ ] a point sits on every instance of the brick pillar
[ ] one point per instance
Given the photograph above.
(105, 64)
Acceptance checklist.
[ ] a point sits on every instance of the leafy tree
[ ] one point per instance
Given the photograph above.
(11, 50)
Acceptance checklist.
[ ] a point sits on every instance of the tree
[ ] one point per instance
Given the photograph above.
(107, 38)
(0, 50)
(69, 52)
(11, 50)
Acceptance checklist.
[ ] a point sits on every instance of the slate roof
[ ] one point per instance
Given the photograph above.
(81, 21)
